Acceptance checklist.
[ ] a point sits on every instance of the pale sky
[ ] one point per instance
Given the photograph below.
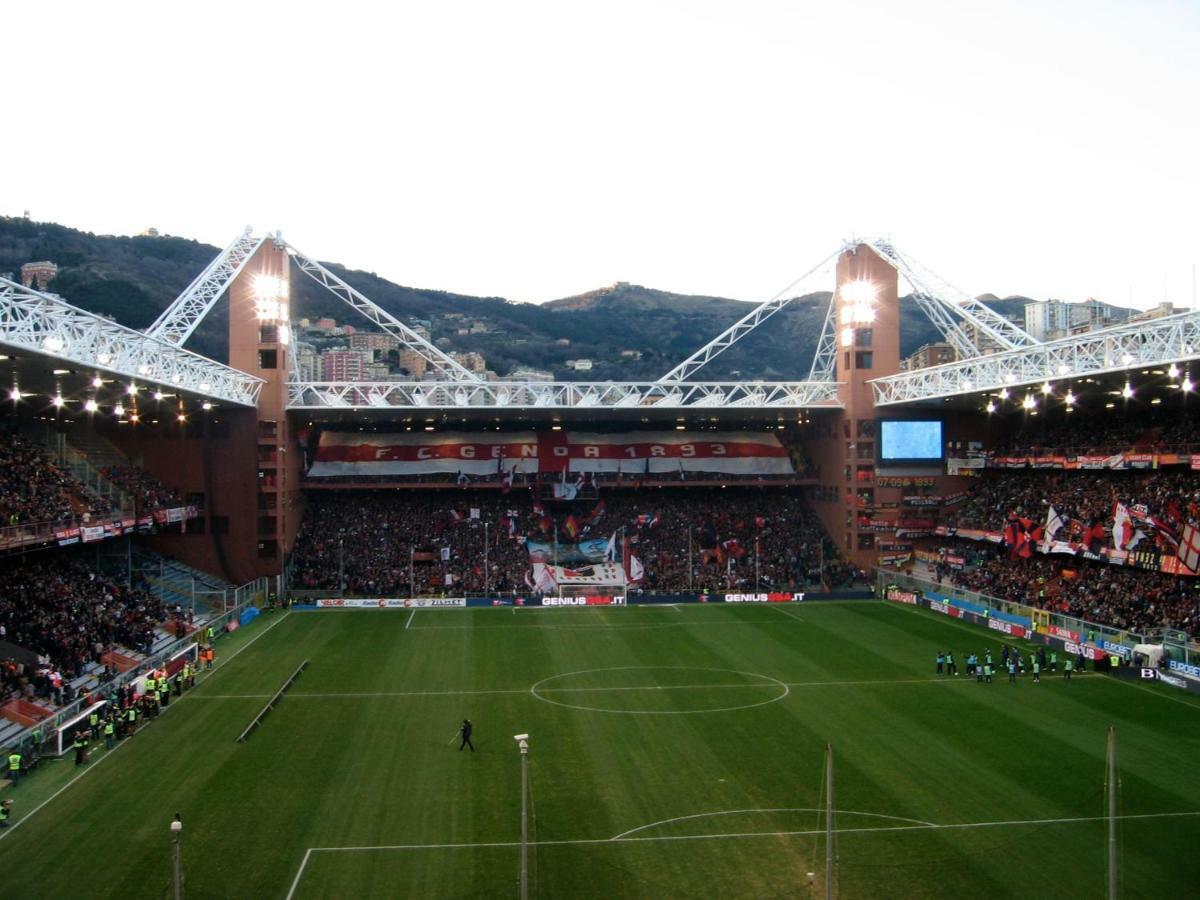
(536, 150)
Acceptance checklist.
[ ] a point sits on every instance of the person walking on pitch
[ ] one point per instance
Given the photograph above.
(465, 731)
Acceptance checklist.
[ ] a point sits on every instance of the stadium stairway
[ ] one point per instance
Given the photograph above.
(83, 454)
(173, 583)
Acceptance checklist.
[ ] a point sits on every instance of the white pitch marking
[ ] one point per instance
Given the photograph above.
(296, 881)
(25, 818)
(678, 687)
(788, 614)
(732, 835)
(735, 812)
(410, 618)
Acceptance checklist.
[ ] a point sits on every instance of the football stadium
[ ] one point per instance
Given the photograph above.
(917, 627)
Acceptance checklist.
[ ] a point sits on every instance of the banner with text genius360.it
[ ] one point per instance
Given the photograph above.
(628, 453)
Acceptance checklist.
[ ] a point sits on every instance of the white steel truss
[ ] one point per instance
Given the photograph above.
(46, 324)
(1155, 343)
(941, 302)
(824, 365)
(744, 325)
(497, 395)
(440, 361)
(180, 319)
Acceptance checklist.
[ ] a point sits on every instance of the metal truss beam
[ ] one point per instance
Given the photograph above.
(381, 317)
(824, 365)
(1154, 343)
(942, 301)
(46, 324)
(744, 325)
(180, 319)
(459, 395)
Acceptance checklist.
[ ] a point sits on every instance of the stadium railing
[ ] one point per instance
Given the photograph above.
(245, 596)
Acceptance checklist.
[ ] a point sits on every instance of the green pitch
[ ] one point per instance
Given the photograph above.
(675, 752)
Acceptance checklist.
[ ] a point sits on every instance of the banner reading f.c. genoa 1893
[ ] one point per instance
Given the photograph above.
(629, 453)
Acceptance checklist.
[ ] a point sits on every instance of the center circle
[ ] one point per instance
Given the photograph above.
(659, 690)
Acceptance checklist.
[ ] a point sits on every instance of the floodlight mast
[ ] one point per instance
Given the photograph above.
(186, 311)
(385, 320)
(745, 324)
(941, 302)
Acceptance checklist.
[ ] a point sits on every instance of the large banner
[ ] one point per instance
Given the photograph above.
(631, 453)
(583, 552)
(547, 578)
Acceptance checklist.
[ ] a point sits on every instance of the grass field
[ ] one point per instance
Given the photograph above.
(676, 752)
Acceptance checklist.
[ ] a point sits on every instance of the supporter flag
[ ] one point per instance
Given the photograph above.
(597, 513)
(544, 579)
(456, 516)
(571, 526)
(508, 480)
(636, 571)
(1126, 534)
(610, 553)
(1189, 548)
(1093, 537)
(1165, 536)
(760, 522)
(734, 548)
(1054, 524)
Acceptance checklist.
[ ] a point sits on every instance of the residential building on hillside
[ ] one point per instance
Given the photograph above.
(471, 361)
(412, 362)
(936, 354)
(342, 365)
(38, 274)
(526, 373)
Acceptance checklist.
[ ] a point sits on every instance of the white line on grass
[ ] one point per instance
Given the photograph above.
(788, 613)
(410, 618)
(91, 768)
(960, 826)
(649, 687)
(736, 812)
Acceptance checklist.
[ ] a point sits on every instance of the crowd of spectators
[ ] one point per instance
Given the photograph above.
(32, 488)
(148, 493)
(70, 615)
(1158, 429)
(1124, 598)
(1083, 498)
(391, 542)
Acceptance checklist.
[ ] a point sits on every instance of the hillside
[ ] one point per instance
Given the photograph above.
(132, 279)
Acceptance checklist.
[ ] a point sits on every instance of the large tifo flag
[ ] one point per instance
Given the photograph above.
(630, 453)
(594, 575)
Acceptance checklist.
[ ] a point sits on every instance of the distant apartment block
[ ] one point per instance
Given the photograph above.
(38, 274)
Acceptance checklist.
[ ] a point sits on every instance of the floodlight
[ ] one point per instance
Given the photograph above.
(858, 292)
(97, 382)
(14, 393)
(1127, 391)
(1172, 371)
(58, 401)
(1029, 402)
(991, 407)
(1004, 393)
(1069, 399)
(206, 405)
(1186, 384)
(132, 389)
(1046, 389)
(91, 405)
(118, 410)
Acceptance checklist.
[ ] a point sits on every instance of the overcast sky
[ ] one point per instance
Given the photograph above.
(536, 150)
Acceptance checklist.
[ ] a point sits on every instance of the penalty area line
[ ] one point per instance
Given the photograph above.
(737, 835)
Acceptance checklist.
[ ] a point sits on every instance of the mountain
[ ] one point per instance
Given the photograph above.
(629, 332)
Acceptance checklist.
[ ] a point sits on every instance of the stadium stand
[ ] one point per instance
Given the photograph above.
(33, 489)
(71, 615)
(369, 538)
